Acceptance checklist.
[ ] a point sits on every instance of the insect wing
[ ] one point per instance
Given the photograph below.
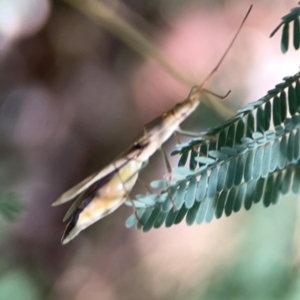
(101, 198)
(88, 182)
(87, 196)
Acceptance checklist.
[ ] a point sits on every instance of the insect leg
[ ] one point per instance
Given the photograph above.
(134, 210)
(144, 164)
(126, 192)
(177, 138)
(196, 134)
(216, 95)
(168, 165)
(143, 183)
(165, 157)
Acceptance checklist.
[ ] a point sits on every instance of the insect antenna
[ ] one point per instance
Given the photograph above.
(215, 69)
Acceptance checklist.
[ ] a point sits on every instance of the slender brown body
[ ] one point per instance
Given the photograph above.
(103, 192)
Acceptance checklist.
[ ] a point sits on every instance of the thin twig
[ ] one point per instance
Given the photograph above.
(119, 27)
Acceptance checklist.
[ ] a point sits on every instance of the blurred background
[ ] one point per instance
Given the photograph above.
(73, 96)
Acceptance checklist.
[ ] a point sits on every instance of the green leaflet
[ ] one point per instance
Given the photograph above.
(230, 174)
(151, 220)
(202, 185)
(230, 202)
(190, 196)
(285, 38)
(269, 188)
(296, 180)
(192, 213)
(292, 17)
(179, 197)
(259, 189)
(296, 34)
(171, 217)
(221, 204)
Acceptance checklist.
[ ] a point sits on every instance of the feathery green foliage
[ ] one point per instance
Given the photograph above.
(292, 16)
(261, 168)
(253, 158)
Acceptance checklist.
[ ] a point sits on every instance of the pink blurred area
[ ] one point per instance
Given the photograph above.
(73, 97)
(21, 18)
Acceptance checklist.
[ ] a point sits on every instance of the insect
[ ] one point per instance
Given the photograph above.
(103, 192)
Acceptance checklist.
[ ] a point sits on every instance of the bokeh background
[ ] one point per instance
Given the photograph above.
(73, 97)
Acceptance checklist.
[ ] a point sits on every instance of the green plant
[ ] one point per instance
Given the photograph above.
(292, 16)
(254, 157)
